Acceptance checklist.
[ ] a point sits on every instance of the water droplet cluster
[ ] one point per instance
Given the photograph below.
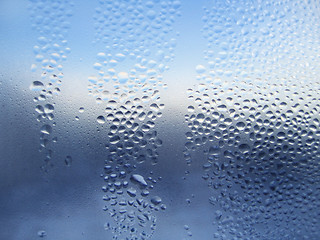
(139, 44)
(255, 117)
(262, 155)
(50, 21)
(262, 39)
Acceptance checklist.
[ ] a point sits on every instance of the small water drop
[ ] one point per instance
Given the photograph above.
(138, 179)
(42, 233)
(101, 119)
(200, 69)
(214, 150)
(68, 161)
(46, 129)
(151, 14)
(36, 86)
(244, 148)
(115, 139)
(123, 77)
(33, 67)
(101, 56)
(156, 200)
(48, 108)
(132, 192)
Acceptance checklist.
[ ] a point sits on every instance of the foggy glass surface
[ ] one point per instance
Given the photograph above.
(159, 119)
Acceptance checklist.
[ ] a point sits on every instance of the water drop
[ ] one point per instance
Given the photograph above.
(42, 233)
(48, 108)
(132, 192)
(138, 179)
(46, 129)
(37, 86)
(156, 200)
(115, 139)
(151, 14)
(244, 148)
(68, 161)
(33, 67)
(200, 69)
(101, 119)
(123, 77)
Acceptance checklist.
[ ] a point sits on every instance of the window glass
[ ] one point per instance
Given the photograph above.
(137, 119)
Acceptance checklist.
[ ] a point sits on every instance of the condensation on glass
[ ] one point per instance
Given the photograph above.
(113, 149)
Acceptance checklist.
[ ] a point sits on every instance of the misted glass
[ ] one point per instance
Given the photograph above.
(164, 119)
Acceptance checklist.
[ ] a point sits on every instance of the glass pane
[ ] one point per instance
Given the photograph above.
(159, 119)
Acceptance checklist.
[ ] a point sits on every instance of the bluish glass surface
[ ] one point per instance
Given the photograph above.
(159, 119)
